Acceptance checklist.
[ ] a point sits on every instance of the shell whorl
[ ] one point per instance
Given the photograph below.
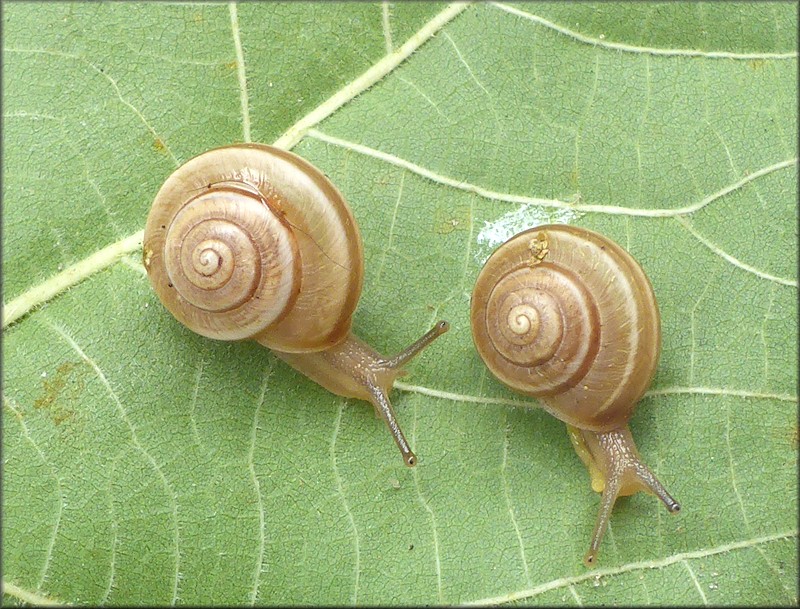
(250, 241)
(568, 316)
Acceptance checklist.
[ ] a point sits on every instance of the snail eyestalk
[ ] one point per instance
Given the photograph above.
(353, 369)
(384, 409)
(616, 469)
(407, 354)
(393, 368)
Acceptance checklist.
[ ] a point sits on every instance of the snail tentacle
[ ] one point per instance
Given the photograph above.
(410, 352)
(615, 458)
(354, 369)
(383, 408)
(607, 501)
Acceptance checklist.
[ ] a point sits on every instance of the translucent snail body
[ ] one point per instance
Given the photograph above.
(566, 315)
(253, 242)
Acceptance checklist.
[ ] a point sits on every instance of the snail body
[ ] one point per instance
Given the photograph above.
(253, 242)
(565, 315)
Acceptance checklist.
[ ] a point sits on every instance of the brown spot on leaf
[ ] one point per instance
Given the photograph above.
(62, 388)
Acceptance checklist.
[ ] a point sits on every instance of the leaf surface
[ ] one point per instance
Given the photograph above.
(144, 464)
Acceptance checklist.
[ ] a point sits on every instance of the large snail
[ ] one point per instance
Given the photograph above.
(566, 315)
(253, 242)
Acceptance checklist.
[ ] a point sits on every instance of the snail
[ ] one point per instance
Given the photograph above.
(566, 315)
(253, 242)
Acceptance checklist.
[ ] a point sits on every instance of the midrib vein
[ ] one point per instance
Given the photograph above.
(38, 295)
(69, 277)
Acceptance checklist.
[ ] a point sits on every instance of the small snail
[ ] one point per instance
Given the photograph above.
(566, 315)
(250, 241)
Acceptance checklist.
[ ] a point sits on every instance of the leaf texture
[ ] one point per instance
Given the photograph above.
(144, 465)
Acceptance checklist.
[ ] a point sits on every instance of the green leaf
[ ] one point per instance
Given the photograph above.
(144, 464)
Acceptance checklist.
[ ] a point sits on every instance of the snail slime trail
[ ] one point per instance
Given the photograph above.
(239, 243)
(566, 315)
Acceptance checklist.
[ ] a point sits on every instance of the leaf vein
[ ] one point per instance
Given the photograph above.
(377, 72)
(721, 391)
(198, 378)
(696, 583)
(69, 277)
(388, 246)
(635, 566)
(387, 27)
(693, 324)
(773, 567)
(553, 203)
(629, 48)
(112, 567)
(37, 599)
(431, 515)
(9, 403)
(734, 261)
(422, 94)
(113, 83)
(240, 71)
(575, 595)
(582, 122)
(340, 491)
(257, 487)
(764, 343)
(739, 498)
(510, 507)
(33, 116)
(134, 439)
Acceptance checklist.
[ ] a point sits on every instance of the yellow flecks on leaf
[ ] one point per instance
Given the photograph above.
(538, 248)
(447, 226)
(573, 177)
(147, 257)
(159, 146)
(448, 220)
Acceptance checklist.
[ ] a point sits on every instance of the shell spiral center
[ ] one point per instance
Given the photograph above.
(227, 252)
(543, 320)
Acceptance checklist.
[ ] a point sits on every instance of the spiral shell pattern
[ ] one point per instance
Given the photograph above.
(250, 241)
(564, 314)
(219, 253)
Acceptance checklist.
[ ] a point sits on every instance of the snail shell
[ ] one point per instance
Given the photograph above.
(565, 315)
(246, 236)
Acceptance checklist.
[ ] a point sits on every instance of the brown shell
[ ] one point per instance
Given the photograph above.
(566, 315)
(250, 241)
